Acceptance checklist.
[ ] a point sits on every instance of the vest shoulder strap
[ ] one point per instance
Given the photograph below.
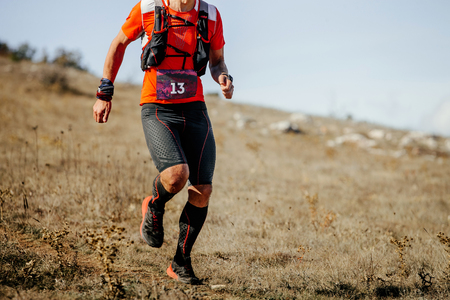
(209, 10)
(203, 6)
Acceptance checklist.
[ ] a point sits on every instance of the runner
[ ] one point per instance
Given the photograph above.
(179, 37)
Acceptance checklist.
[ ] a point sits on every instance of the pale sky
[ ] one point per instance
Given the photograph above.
(383, 61)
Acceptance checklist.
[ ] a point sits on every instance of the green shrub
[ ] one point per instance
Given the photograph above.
(24, 52)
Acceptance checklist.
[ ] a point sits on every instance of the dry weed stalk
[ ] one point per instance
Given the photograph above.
(25, 199)
(445, 241)
(370, 276)
(3, 194)
(28, 268)
(427, 279)
(327, 217)
(312, 200)
(55, 240)
(25, 204)
(37, 147)
(401, 246)
(106, 244)
(302, 250)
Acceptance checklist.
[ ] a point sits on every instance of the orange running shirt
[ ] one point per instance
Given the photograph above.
(183, 38)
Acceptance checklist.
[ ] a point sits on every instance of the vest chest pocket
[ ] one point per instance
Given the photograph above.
(176, 84)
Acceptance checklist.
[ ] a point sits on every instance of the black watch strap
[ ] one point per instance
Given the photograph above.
(228, 76)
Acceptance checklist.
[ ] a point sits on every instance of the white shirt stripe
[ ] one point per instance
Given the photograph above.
(147, 6)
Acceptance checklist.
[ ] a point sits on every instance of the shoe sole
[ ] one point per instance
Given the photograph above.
(144, 211)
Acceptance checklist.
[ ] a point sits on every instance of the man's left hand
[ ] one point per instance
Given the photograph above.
(226, 85)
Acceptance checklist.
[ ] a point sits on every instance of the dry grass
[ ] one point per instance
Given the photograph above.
(289, 218)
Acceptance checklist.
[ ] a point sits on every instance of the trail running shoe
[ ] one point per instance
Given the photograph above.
(152, 230)
(183, 274)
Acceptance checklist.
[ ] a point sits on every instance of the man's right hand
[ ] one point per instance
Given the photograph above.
(101, 110)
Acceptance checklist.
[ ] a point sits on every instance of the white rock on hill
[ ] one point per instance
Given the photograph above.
(301, 118)
(354, 138)
(447, 145)
(421, 138)
(243, 121)
(376, 134)
(430, 142)
(285, 127)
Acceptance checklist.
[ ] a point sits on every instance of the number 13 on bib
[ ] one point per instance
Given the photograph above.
(176, 84)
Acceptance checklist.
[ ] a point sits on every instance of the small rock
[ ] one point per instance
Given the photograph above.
(405, 141)
(430, 142)
(285, 127)
(218, 286)
(356, 138)
(237, 116)
(376, 134)
(447, 145)
(243, 121)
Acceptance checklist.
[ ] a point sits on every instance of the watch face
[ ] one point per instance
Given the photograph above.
(228, 76)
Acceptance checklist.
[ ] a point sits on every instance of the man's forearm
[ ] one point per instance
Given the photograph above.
(115, 55)
(219, 68)
(113, 60)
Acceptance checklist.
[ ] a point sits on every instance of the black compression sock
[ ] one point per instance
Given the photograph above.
(191, 222)
(160, 194)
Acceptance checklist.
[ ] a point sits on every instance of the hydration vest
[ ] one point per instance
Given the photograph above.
(154, 50)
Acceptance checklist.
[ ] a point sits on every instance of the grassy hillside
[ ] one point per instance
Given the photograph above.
(328, 209)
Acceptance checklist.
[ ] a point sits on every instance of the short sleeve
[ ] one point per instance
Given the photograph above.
(216, 30)
(133, 24)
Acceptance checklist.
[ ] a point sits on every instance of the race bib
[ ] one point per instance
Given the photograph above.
(175, 84)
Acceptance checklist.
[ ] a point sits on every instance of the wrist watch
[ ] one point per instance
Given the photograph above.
(228, 76)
